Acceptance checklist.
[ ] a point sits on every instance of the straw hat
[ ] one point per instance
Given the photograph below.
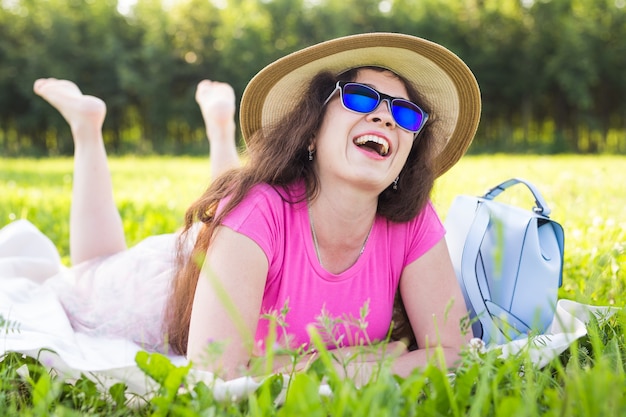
(445, 82)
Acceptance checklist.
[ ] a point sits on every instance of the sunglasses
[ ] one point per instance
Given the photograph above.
(361, 98)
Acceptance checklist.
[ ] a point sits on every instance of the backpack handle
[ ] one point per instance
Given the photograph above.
(541, 207)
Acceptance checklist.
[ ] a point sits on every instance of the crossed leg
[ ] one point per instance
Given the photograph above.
(95, 224)
(217, 104)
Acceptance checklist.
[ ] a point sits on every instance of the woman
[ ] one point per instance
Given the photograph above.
(331, 213)
(329, 217)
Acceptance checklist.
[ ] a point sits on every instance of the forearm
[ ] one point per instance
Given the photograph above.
(341, 357)
(359, 363)
(361, 371)
(406, 363)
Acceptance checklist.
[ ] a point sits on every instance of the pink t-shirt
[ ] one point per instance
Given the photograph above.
(277, 220)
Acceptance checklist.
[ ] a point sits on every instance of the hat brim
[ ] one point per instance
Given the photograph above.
(442, 79)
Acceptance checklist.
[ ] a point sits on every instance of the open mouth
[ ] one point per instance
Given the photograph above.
(373, 143)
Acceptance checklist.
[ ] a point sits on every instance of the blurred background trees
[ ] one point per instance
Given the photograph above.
(552, 72)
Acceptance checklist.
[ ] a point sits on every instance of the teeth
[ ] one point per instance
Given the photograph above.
(384, 145)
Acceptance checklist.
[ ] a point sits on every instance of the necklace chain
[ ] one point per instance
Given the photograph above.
(317, 248)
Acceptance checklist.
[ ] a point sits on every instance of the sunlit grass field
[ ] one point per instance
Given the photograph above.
(587, 195)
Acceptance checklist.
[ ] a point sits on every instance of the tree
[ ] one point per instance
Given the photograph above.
(550, 71)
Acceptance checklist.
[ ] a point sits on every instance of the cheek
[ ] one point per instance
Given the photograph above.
(338, 119)
(402, 157)
(336, 127)
(405, 148)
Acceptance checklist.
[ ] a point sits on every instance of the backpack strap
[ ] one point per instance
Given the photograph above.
(478, 295)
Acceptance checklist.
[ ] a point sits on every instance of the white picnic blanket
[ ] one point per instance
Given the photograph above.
(36, 325)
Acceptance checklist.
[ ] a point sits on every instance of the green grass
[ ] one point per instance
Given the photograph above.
(587, 196)
(151, 193)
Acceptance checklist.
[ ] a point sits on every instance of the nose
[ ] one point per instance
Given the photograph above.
(382, 114)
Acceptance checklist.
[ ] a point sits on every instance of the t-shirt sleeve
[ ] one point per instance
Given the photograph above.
(258, 217)
(424, 232)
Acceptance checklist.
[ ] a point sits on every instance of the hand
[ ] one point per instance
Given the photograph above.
(360, 366)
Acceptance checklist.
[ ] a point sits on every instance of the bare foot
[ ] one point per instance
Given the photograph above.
(217, 104)
(83, 113)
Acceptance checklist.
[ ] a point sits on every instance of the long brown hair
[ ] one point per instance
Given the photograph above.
(279, 156)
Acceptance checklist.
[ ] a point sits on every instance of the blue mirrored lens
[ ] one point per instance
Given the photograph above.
(360, 98)
(407, 115)
(364, 99)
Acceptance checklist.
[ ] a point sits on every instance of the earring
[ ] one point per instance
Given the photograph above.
(311, 152)
(395, 183)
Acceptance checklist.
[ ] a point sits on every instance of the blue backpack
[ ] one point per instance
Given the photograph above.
(508, 261)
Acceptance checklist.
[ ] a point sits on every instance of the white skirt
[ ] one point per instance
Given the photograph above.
(122, 295)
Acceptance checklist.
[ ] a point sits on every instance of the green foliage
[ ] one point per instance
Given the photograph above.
(28, 388)
(588, 380)
(8, 326)
(551, 72)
